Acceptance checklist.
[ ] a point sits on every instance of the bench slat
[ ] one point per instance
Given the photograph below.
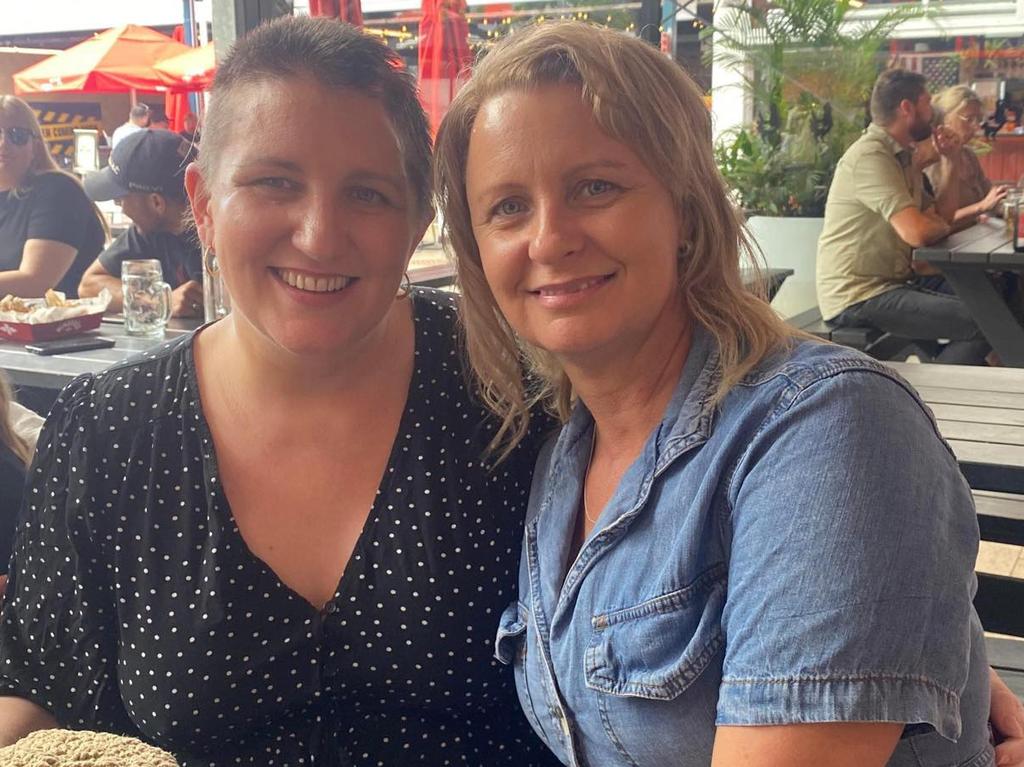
(1005, 652)
(993, 415)
(1000, 518)
(962, 377)
(982, 432)
(973, 397)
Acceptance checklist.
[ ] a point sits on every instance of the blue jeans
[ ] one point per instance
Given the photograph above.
(925, 309)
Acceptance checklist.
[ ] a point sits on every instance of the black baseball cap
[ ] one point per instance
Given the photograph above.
(150, 160)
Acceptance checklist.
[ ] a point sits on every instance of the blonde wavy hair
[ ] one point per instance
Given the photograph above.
(8, 436)
(644, 100)
(19, 111)
(952, 100)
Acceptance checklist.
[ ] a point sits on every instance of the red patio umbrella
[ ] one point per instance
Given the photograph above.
(346, 10)
(191, 70)
(444, 55)
(118, 60)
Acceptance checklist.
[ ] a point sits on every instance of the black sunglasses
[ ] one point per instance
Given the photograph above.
(18, 136)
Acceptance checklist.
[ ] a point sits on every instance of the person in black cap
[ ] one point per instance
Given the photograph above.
(146, 178)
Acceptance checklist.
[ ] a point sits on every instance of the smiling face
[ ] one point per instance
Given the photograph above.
(310, 214)
(577, 238)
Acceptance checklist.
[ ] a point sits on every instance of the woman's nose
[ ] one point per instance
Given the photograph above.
(557, 233)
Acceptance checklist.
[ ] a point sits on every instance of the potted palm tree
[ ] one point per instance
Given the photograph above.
(808, 66)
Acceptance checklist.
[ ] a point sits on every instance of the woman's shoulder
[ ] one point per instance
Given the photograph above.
(145, 388)
(802, 363)
(56, 184)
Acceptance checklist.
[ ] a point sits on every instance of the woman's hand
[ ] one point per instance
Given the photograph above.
(994, 197)
(1006, 714)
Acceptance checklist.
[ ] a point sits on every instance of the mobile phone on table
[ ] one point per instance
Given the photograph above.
(68, 345)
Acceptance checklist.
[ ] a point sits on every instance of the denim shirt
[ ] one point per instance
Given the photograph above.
(801, 552)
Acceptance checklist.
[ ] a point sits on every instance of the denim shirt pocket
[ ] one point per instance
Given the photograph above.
(658, 648)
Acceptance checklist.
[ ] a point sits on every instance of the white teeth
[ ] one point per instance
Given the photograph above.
(314, 284)
(572, 287)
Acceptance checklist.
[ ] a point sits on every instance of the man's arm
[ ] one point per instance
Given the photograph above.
(96, 278)
(918, 228)
(19, 717)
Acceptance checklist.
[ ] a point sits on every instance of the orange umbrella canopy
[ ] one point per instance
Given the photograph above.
(118, 60)
(191, 70)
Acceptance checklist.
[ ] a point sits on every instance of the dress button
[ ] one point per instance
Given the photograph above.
(330, 609)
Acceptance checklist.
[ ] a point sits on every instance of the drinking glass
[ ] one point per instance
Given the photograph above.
(147, 298)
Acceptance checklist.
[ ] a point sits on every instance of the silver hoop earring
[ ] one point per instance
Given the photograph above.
(405, 289)
(210, 264)
(685, 249)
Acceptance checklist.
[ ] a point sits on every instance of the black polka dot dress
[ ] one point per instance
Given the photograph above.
(135, 606)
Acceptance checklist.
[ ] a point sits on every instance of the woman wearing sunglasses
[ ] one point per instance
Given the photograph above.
(49, 230)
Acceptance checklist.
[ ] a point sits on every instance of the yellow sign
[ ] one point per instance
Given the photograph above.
(58, 121)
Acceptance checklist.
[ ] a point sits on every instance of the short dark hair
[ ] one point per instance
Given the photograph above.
(336, 55)
(891, 87)
(139, 111)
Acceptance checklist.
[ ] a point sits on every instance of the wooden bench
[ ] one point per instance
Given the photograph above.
(980, 412)
(811, 322)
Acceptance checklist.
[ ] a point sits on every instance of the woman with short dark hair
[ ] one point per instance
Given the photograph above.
(274, 542)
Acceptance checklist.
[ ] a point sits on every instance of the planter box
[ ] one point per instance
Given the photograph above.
(790, 243)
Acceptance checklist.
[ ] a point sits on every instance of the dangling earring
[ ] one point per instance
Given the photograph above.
(210, 264)
(685, 249)
(405, 289)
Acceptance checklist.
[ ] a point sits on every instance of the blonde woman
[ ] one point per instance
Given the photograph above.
(959, 109)
(49, 230)
(743, 548)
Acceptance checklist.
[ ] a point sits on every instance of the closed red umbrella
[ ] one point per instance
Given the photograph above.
(350, 11)
(444, 55)
(118, 60)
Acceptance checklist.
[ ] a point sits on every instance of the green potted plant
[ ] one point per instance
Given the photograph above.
(808, 67)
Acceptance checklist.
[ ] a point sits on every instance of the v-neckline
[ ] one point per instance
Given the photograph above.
(222, 508)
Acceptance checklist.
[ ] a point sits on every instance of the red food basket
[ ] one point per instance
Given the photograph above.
(49, 331)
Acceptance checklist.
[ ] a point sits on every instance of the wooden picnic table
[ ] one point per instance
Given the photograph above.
(965, 259)
(980, 412)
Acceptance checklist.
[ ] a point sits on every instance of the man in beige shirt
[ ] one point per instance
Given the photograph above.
(877, 212)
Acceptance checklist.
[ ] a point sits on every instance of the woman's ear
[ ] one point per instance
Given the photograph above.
(199, 199)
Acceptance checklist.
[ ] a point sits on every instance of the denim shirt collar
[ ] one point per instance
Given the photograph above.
(688, 417)
(687, 423)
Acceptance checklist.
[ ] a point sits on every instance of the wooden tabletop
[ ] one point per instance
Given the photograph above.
(986, 243)
(980, 412)
(966, 259)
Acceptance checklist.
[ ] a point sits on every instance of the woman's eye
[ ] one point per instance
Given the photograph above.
(596, 187)
(275, 182)
(508, 208)
(365, 194)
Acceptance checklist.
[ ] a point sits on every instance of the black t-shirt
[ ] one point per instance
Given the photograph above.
(12, 486)
(179, 254)
(136, 606)
(53, 208)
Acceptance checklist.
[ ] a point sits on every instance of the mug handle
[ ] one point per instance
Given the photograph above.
(165, 300)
